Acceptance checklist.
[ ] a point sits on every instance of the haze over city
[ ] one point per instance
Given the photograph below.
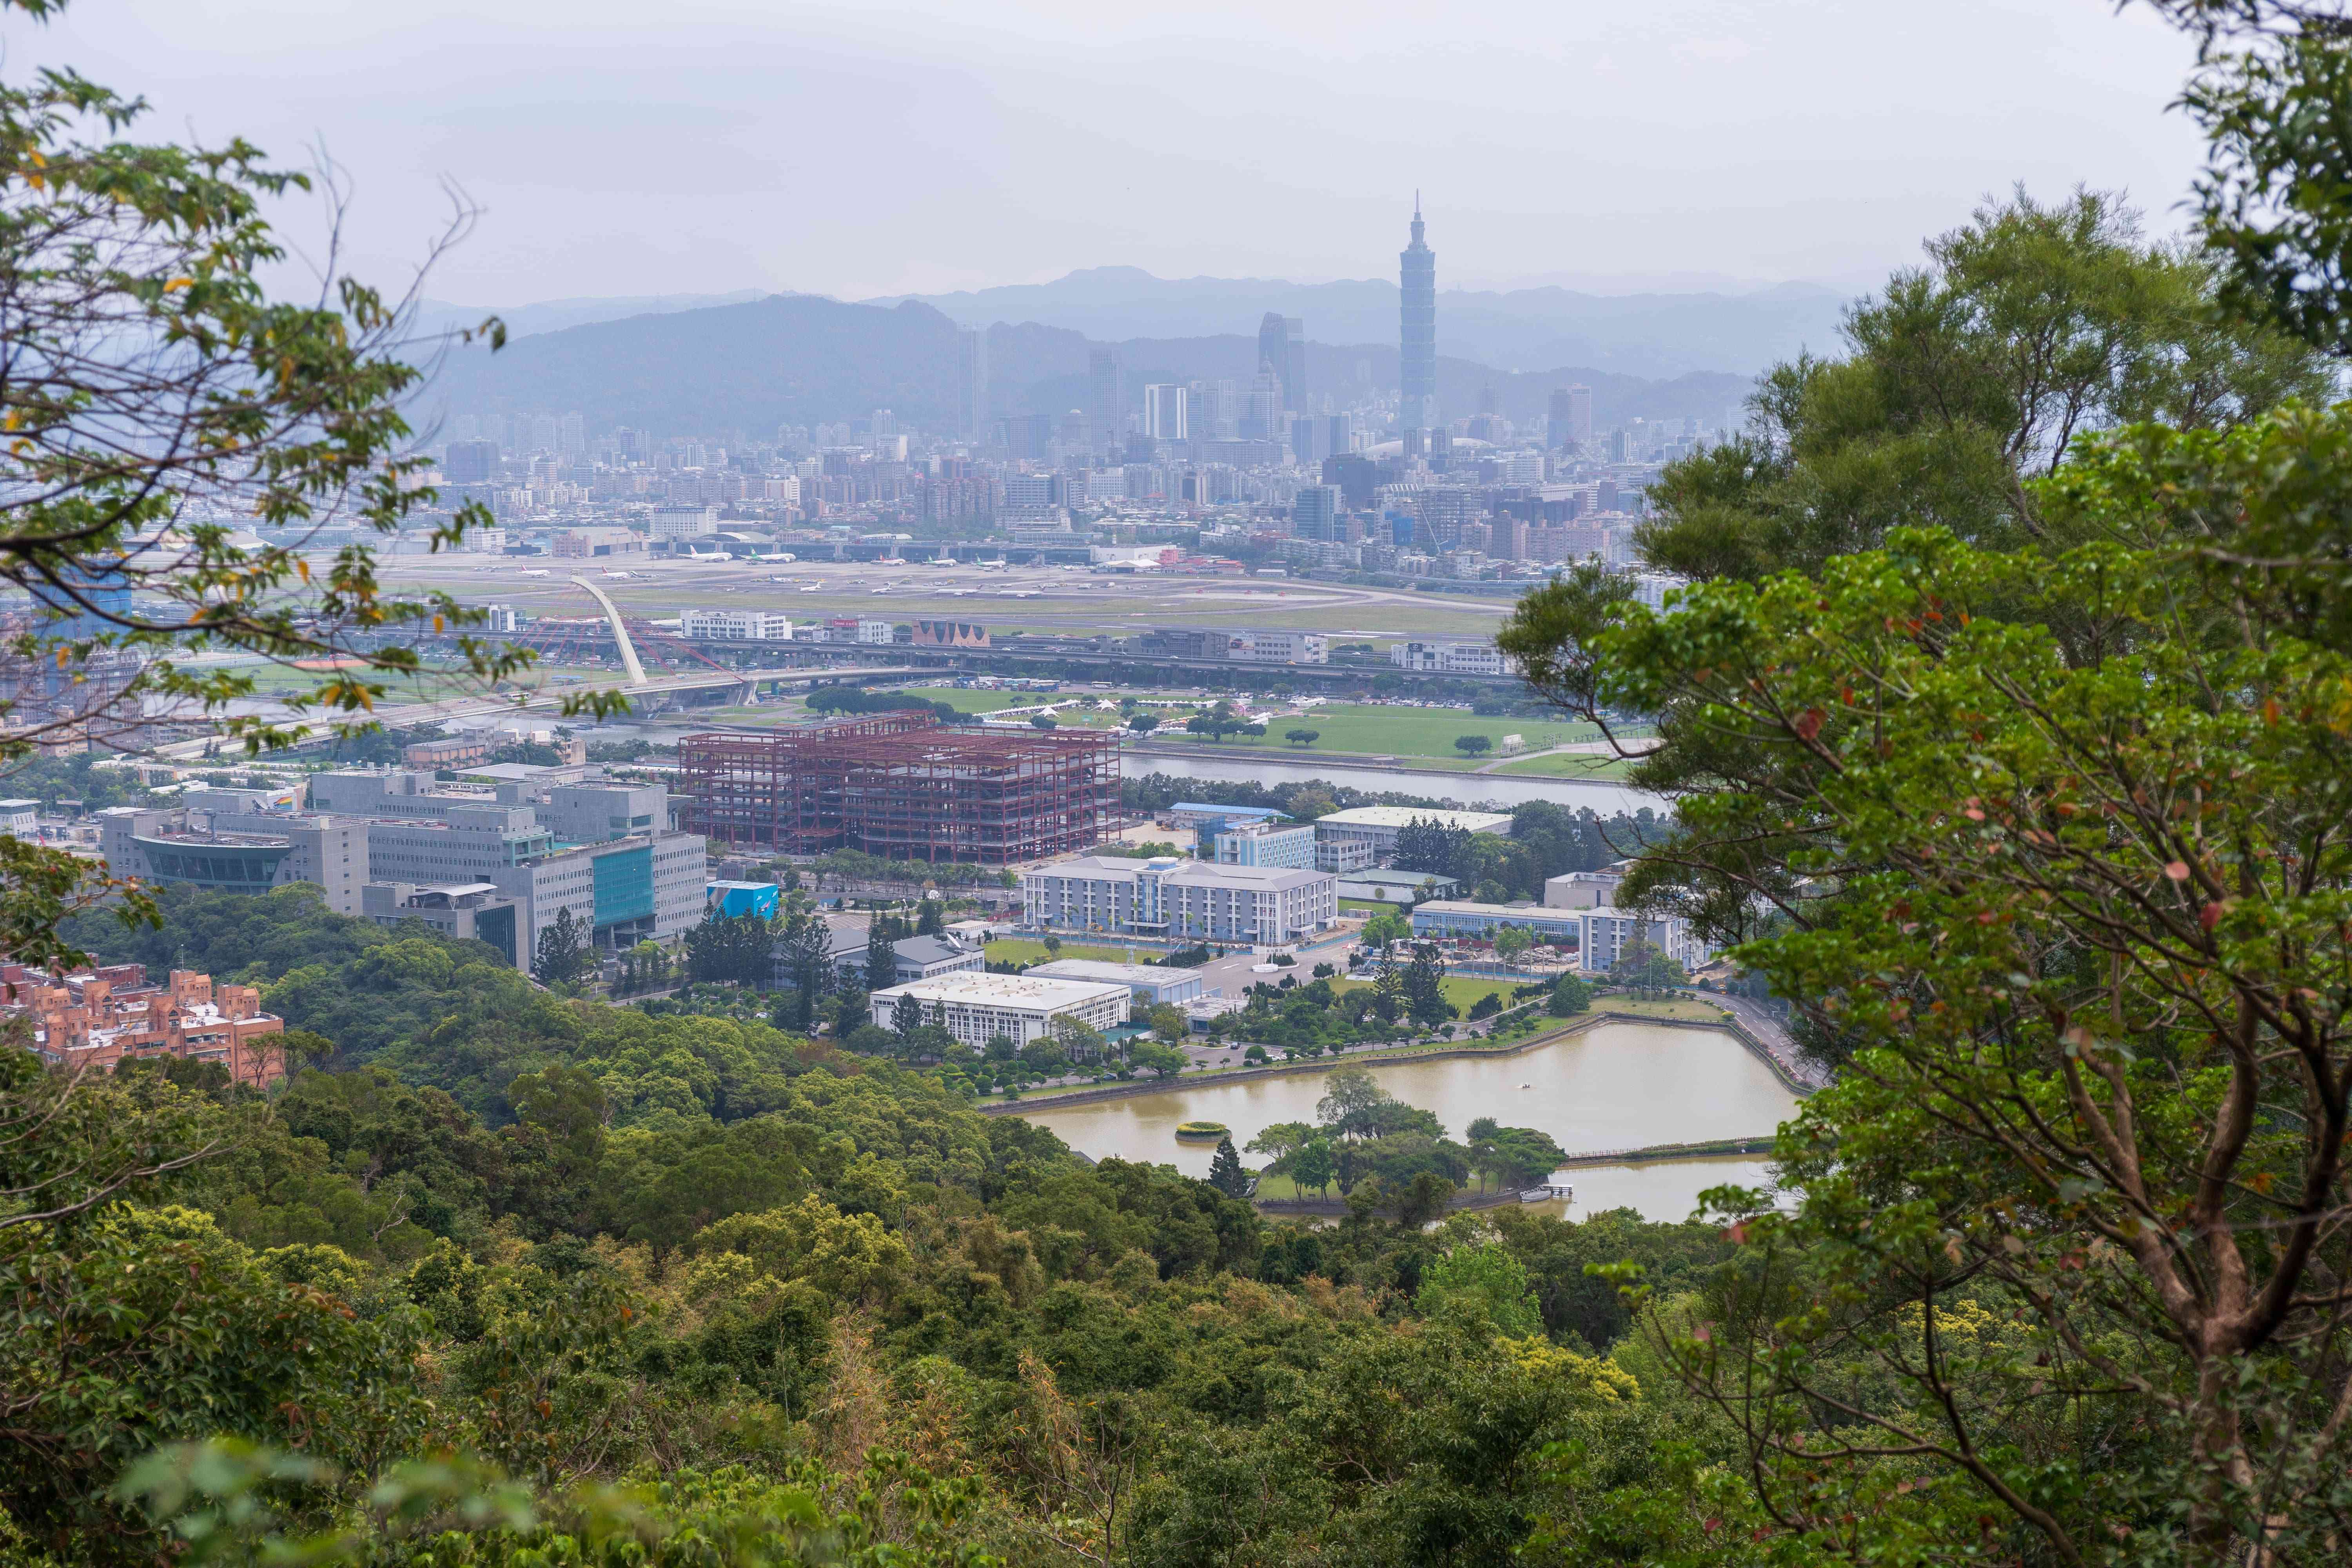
(924, 147)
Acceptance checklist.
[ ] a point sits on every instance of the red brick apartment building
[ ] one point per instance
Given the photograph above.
(97, 1017)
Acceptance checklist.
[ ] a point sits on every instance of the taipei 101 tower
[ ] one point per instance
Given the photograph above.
(1417, 361)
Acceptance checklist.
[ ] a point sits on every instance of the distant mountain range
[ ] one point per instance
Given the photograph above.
(554, 315)
(1650, 335)
(800, 359)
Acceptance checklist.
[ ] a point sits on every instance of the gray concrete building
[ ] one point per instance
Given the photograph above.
(242, 852)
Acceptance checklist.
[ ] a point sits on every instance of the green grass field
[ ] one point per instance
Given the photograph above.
(1426, 732)
(1571, 765)
(1461, 989)
(1020, 950)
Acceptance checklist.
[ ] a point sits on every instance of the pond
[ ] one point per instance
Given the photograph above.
(1615, 1086)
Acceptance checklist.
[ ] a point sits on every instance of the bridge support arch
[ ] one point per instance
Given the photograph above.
(620, 633)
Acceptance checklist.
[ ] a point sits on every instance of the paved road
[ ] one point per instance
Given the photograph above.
(1766, 1025)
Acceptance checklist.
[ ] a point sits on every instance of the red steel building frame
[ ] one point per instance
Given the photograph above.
(905, 786)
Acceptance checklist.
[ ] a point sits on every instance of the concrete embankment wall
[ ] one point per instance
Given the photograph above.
(1567, 1029)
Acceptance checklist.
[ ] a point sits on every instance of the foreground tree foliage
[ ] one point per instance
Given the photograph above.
(2087, 923)
(681, 1280)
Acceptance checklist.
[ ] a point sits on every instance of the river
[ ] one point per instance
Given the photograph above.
(1615, 1086)
(1506, 789)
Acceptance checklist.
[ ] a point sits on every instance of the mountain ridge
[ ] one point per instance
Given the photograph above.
(804, 359)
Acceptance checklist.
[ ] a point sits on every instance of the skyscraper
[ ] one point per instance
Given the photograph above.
(1105, 398)
(1417, 344)
(1315, 514)
(1164, 411)
(1572, 415)
(1282, 349)
(971, 385)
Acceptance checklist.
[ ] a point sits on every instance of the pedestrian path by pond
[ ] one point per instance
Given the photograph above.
(1613, 1086)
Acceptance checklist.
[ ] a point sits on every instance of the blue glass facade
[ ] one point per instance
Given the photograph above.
(625, 886)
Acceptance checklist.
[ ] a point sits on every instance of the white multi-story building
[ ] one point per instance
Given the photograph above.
(1258, 905)
(1651, 588)
(1451, 658)
(1021, 1008)
(1163, 412)
(685, 522)
(734, 625)
(1266, 844)
(1604, 933)
(1278, 647)
(1367, 835)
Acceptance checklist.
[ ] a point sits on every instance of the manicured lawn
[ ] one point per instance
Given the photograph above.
(1460, 989)
(1019, 949)
(1570, 764)
(1368, 907)
(1274, 1189)
(1381, 731)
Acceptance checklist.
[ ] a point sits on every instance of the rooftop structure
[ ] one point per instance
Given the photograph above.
(97, 1019)
(1375, 886)
(1197, 813)
(1151, 983)
(975, 1006)
(734, 900)
(914, 958)
(1395, 816)
(902, 785)
(1453, 917)
(1582, 890)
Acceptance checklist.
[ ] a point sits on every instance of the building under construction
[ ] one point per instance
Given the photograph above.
(903, 786)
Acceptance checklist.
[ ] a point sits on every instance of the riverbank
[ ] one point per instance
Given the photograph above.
(1217, 1077)
(1504, 790)
(1333, 1208)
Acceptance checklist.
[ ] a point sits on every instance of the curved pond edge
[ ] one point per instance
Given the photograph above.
(1573, 1026)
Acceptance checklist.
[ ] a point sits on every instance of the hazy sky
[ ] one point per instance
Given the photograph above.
(685, 147)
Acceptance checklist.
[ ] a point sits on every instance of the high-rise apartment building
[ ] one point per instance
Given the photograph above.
(1572, 415)
(1164, 409)
(1261, 420)
(1282, 349)
(470, 462)
(1417, 341)
(1315, 514)
(1105, 398)
(973, 421)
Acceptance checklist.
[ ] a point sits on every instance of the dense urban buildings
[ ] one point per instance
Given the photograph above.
(545, 840)
(1231, 468)
(96, 1019)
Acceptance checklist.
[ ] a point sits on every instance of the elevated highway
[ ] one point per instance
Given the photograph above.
(653, 694)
